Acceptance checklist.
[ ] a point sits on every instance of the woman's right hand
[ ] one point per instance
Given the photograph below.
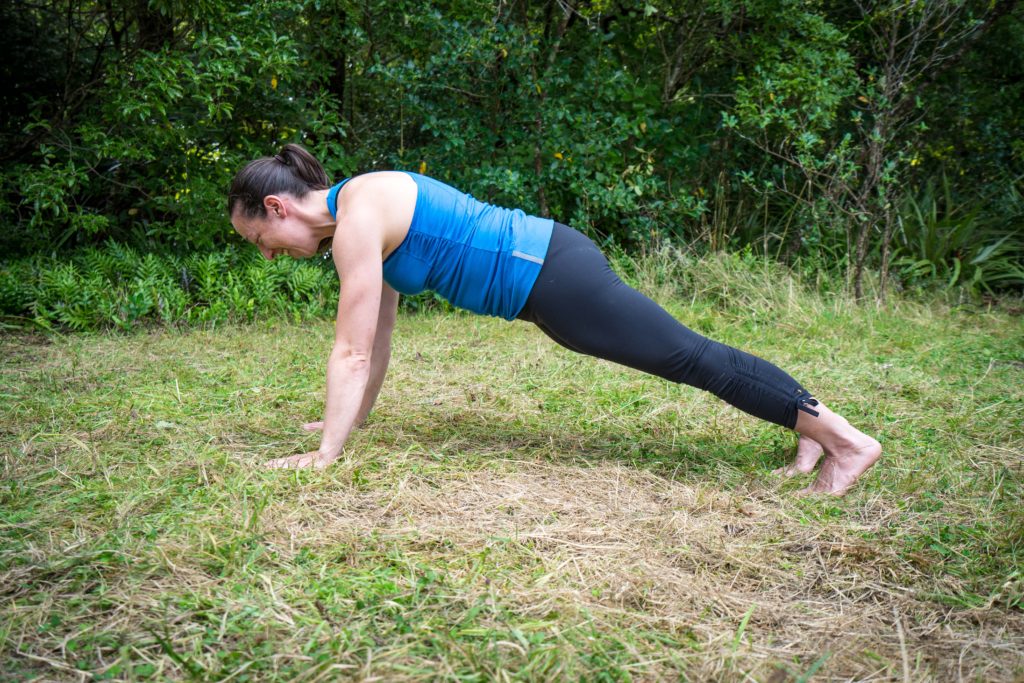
(314, 426)
(314, 459)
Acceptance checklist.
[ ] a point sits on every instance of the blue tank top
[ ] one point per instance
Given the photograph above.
(477, 256)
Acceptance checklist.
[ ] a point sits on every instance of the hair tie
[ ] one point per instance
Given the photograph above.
(278, 157)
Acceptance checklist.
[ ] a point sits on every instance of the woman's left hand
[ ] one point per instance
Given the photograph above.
(312, 459)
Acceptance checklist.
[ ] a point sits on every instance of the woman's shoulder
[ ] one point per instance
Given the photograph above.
(385, 196)
(379, 184)
(378, 179)
(377, 188)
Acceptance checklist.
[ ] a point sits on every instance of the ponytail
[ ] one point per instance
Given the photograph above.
(304, 165)
(292, 171)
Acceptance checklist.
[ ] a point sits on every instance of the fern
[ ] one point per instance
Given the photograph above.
(114, 286)
(151, 269)
(126, 260)
(207, 273)
(303, 283)
(171, 303)
(16, 290)
(241, 303)
(100, 262)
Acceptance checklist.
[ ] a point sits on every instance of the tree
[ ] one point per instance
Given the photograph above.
(895, 52)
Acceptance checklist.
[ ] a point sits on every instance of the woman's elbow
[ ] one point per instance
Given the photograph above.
(350, 357)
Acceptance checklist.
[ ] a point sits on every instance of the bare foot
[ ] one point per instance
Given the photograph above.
(849, 452)
(842, 466)
(807, 453)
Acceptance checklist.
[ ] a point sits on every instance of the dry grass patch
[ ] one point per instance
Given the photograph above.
(754, 587)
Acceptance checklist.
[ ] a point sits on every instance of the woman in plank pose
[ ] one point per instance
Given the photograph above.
(395, 232)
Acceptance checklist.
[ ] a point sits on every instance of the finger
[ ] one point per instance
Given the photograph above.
(313, 426)
(292, 461)
(278, 463)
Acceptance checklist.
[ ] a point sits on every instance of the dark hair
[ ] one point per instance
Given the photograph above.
(292, 171)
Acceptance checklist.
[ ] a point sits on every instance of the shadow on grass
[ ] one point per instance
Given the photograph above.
(672, 455)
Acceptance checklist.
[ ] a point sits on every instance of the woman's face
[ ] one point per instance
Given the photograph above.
(279, 232)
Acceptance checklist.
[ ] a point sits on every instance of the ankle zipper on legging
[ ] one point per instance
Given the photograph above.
(803, 400)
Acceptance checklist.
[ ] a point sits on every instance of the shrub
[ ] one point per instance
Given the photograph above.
(114, 286)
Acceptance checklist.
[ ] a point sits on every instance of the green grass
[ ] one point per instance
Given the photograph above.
(513, 511)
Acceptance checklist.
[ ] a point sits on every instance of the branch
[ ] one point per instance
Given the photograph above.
(1000, 9)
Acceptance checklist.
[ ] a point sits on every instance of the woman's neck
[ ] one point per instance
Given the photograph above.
(314, 212)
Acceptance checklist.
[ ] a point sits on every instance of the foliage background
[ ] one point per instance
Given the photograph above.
(878, 141)
(563, 519)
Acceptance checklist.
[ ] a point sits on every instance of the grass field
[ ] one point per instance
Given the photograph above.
(513, 511)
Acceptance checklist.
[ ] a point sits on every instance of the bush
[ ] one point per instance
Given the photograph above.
(974, 246)
(115, 286)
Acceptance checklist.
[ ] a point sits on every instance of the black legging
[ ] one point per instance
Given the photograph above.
(583, 305)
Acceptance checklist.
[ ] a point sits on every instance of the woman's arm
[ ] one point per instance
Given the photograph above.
(381, 350)
(358, 260)
(380, 358)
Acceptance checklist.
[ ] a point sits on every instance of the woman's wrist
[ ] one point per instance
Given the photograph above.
(328, 456)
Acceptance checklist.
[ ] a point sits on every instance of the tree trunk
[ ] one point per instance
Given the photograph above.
(883, 275)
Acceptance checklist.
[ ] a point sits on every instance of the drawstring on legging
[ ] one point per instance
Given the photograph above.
(803, 400)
